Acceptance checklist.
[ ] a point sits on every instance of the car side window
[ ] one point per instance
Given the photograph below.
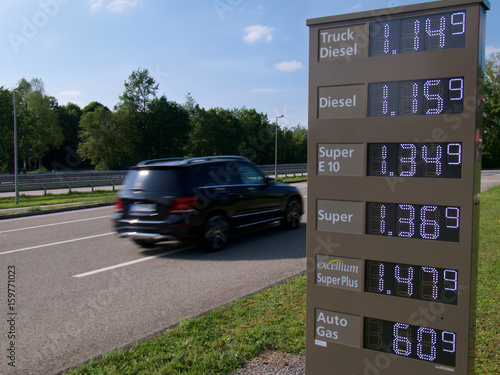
(250, 175)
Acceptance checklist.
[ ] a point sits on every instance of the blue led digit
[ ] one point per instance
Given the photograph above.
(451, 280)
(408, 281)
(452, 216)
(426, 347)
(454, 151)
(408, 222)
(437, 32)
(434, 97)
(449, 341)
(401, 344)
(387, 30)
(456, 87)
(429, 228)
(416, 39)
(458, 19)
(426, 284)
(428, 160)
(407, 164)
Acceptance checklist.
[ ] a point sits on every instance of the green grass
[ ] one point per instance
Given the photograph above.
(38, 201)
(488, 296)
(292, 179)
(220, 341)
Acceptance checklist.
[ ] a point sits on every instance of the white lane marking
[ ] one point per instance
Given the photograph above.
(56, 243)
(72, 212)
(131, 262)
(49, 225)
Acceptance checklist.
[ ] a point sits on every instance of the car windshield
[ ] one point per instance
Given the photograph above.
(152, 180)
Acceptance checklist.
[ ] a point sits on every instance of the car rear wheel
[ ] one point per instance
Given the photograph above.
(292, 214)
(215, 233)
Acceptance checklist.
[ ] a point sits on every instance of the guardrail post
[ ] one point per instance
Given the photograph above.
(69, 188)
(92, 185)
(44, 189)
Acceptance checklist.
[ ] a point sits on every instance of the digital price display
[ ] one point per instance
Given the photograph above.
(417, 97)
(394, 151)
(430, 160)
(419, 34)
(428, 222)
(422, 343)
(410, 281)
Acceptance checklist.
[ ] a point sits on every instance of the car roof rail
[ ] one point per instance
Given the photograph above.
(191, 160)
(203, 158)
(147, 162)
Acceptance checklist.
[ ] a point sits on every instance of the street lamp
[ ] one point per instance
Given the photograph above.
(276, 148)
(18, 87)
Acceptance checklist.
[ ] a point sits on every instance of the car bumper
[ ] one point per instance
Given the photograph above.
(155, 231)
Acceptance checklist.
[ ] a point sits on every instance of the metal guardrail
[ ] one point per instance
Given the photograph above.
(92, 179)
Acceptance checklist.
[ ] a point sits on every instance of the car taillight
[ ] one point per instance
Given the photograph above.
(183, 205)
(118, 205)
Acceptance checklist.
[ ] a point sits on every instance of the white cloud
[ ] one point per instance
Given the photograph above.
(115, 6)
(257, 32)
(95, 5)
(119, 6)
(490, 50)
(289, 66)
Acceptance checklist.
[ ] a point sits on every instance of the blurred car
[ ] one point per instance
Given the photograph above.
(201, 199)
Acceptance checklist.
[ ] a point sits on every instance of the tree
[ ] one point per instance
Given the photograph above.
(38, 128)
(65, 157)
(257, 142)
(491, 113)
(102, 141)
(215, 132)
(6, 130)
(140, 90)
(169, 128)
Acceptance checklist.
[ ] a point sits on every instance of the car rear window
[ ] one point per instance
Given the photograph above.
(152, 180)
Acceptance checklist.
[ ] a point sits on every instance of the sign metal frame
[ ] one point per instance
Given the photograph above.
(340, 71)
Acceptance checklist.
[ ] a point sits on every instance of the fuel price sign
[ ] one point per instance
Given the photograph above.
(393, 189)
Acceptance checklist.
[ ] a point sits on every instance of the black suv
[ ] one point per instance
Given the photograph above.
(201, 199)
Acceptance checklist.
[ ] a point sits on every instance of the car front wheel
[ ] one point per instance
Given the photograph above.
(292, 215)
(215, 234)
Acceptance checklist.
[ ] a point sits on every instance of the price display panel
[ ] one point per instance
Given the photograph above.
(394, 138)
(409, 159)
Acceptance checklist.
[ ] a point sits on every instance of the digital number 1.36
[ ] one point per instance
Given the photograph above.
(428, 222)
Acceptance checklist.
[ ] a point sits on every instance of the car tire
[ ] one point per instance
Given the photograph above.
(215, 233)
(293, 213)
(147, 244)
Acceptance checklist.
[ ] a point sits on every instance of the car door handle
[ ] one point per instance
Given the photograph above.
(251, 189)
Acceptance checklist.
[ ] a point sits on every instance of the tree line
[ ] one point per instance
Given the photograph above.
(141, 126)
(144, 126)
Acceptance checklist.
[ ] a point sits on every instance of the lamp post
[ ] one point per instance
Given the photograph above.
(16, 172)
(276, 148)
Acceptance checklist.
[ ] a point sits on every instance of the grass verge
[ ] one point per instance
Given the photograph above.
(488, 295)
(292, 179)
(220, 341)
(76, 197)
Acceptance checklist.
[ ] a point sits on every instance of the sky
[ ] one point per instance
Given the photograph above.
(224, 53)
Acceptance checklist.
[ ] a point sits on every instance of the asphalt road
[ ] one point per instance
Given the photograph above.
(80, 291)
